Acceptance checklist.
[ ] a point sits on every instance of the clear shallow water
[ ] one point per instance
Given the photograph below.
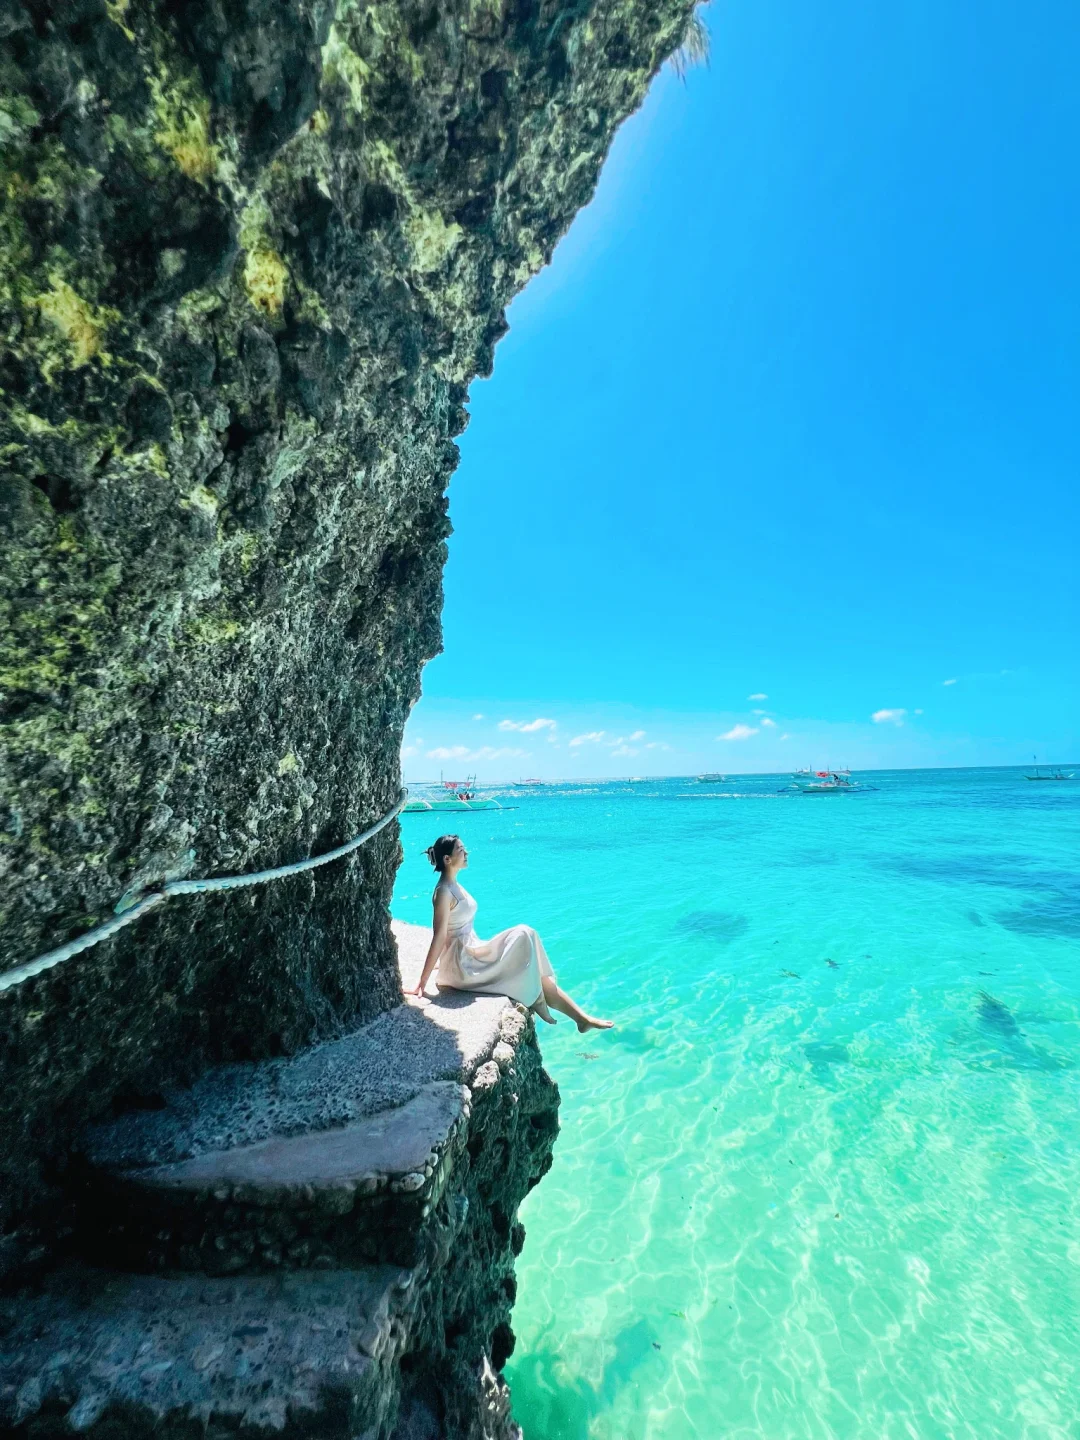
(788, 1199)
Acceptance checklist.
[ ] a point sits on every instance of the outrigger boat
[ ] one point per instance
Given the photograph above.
(461, 789)
(710, 777)
(1054, 774)
(461, 796)
(823, 782)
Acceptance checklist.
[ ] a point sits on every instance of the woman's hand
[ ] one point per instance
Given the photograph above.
(417, 989)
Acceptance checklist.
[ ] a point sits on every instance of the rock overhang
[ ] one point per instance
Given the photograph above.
(255, 255)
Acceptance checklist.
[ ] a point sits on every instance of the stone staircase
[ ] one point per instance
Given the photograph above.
(317, 1245)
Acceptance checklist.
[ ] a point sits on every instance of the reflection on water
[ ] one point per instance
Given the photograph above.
(821, 1182)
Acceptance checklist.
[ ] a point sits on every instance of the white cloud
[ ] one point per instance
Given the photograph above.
(888, 717)
(739, 732)
(949, 682)
(527, 727)
(771, 723)
(626, 750)
(638, 735)
(485, 752)
(657, 745)
(785, 736)
(757, 696)
(591, 738)
(478, 717)
(918, 712)
(408, 750)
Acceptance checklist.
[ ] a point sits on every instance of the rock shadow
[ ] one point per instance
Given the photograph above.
(1055, 918)
(997, 1026)
(719, 926)
(556, 1407)
(1051, 909)
(823, 1061)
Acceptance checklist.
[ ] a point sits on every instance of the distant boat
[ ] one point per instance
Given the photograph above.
(1055, 774)
(461, 789)
(709, 778)
(461, 796)
(413, 807)
(823, 782)
(636, 780)
(531, 781)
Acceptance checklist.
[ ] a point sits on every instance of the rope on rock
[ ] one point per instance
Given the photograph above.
(131, 910)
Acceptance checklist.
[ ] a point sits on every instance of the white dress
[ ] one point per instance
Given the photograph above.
(510, 963)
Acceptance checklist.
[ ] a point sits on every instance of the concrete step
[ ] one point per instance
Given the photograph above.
(335, 1157)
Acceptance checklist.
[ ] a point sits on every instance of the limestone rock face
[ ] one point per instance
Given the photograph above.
(252, 253)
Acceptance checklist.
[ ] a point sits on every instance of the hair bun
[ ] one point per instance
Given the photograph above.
(440, 851)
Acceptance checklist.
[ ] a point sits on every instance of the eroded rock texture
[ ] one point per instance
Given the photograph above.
(253, 252)
(349, 1274)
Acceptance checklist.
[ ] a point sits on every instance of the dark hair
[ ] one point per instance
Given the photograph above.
(441, 851)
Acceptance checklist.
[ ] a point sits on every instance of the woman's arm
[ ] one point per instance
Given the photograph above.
(440, 922)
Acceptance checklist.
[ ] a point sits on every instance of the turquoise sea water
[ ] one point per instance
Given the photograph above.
(824, 1178)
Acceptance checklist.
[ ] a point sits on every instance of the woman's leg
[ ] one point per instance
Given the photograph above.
(559, 1000)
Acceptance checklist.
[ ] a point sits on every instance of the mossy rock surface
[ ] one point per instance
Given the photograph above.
(252, 253)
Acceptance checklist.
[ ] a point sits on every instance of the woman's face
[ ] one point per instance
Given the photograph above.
(460, 855)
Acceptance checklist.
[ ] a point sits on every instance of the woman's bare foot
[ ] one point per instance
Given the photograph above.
(589, 1022)
(541, 1009)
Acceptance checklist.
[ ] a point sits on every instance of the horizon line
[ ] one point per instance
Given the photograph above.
(752, 774)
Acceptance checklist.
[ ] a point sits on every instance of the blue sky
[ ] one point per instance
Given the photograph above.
(792, 414)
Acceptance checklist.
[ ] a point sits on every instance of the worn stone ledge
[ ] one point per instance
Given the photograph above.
(310, 1350)
(392, 1239)
(162, 1191)
(373, 1069)
(395, 1149)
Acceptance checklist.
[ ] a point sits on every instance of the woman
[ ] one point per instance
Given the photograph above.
(512, 963)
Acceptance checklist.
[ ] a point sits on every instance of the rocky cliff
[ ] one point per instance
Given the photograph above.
(252, 252)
